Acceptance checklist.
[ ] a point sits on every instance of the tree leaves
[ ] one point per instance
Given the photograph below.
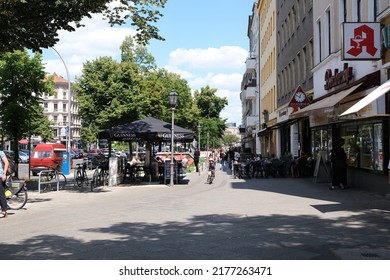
(34, 24)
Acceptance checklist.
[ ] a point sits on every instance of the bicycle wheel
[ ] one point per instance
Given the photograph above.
(18, 200)
(79, 178)
(105, 178)
(95, 179)
(85, 179)
(62, 180)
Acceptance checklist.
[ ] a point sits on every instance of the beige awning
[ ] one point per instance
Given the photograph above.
(324, 104)
(372, 96)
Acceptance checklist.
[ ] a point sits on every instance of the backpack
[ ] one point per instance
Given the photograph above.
(11, 165)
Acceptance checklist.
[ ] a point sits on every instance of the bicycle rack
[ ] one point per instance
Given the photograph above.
(48, 182)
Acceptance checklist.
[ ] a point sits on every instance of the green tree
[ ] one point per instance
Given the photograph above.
(229, 139)
(137, 53)
(108, 93)
(210, 107)
(22, 83)
(34, 24)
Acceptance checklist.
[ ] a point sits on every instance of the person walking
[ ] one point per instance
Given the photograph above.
(3, 174)
(196, 159)
(339, 165)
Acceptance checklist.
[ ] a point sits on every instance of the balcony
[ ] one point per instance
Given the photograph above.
(252, 120)
(250, 63)
(250, 93)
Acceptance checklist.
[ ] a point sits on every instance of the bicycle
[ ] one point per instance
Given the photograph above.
(211, 176)
(80, 175)
(15, 193)
(100, 176)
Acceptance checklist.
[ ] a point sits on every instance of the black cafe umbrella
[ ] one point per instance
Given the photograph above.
(148, 129)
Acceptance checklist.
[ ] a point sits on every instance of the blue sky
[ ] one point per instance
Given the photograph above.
(206, 43)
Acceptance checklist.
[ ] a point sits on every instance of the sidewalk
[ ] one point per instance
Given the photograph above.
(275, 218)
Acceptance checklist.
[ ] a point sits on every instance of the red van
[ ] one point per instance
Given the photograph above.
(46, 155)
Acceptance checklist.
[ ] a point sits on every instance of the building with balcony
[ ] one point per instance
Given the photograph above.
(57, 109)
(250, 91)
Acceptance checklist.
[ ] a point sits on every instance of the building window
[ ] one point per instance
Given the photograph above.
(359, 10)
(64, 95)
(328, 34)
(319, 42)
(343, 11)
(356, 8)
(45, 106)
(55, 107)
(322, 142)
(64, 120)
(363, 145)
(64, 107)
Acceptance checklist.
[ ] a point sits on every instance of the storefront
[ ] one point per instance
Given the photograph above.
(365, 131)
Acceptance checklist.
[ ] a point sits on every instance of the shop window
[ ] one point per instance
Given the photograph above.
(322, 142)
(363, 145)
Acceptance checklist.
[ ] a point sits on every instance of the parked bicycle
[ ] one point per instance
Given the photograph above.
(15, 193)
(100, 176)
(80, 175)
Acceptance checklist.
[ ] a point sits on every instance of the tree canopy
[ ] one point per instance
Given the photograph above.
(210, 107)
(20, 111)
(34, 24)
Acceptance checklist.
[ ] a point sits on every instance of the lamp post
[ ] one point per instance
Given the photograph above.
(199, 128)
(172, 96)
(69, 103)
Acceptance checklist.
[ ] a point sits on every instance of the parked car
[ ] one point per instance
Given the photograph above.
(26, 151)
(47, 155)
(76, 153)
(23, 157)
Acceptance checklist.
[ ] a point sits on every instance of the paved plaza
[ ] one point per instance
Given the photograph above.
(245, 219)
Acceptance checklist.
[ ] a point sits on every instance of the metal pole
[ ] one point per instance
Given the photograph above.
(69, 103)
(172, 143)
(199, 138)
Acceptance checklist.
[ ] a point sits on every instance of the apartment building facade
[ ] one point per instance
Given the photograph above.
(250, 89)
(269, 143)
(329, 51)
(294, 77)
(57, 109)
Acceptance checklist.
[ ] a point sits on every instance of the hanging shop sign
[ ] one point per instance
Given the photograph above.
(361, 41)
(299, 99)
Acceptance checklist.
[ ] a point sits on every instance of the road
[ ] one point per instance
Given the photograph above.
(232, 219)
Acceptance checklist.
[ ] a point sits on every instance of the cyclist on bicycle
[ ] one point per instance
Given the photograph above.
(211, 166)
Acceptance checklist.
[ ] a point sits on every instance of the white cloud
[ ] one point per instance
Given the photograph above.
(223, 58)
(220, 68)
(87, 43)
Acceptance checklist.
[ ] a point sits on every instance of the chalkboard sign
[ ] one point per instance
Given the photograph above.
(321, 171)
(167, 170)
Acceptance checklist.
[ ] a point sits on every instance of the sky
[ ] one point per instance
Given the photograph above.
(205, 43)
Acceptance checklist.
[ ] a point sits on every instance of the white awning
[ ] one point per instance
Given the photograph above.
(375, 94)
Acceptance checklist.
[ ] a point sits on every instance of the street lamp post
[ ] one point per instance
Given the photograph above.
(172, 102)
(69, 104)
(199, 128)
